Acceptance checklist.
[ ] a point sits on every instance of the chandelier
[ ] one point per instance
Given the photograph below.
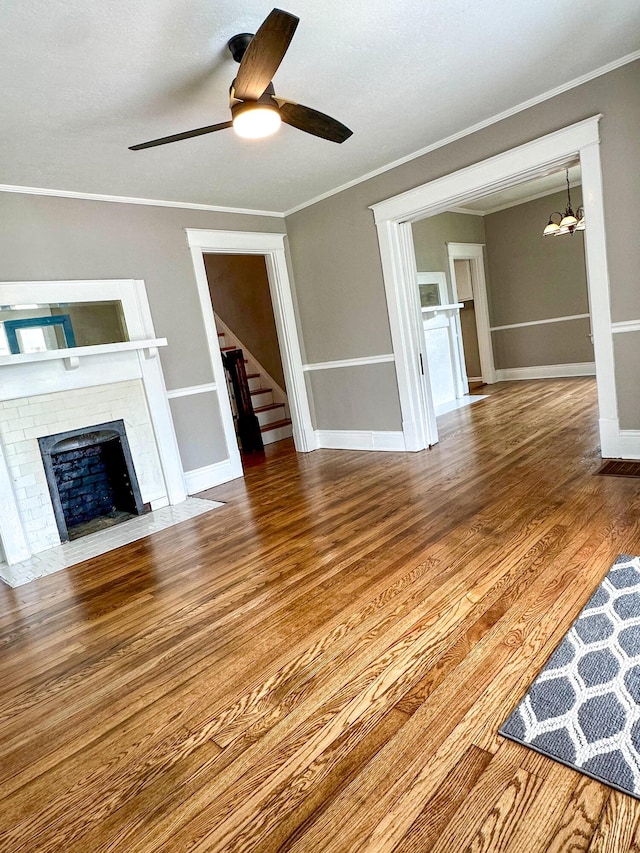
(567, 222)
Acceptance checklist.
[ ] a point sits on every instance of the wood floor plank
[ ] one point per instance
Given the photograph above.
(430, 823)
(323, 663)
(617, 825)
(580, 817)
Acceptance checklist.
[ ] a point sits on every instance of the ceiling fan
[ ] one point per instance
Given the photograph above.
(256, 110)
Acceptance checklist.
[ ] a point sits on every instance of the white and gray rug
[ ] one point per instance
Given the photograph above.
(584, 708)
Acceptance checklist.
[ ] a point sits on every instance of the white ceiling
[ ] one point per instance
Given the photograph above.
(525, 191)
(82, 80)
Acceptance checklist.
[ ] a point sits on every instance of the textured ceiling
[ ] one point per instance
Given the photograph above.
(81, 81)
(526, 191)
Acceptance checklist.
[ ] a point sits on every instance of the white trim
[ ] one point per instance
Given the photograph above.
(467, 211)
(69, 353)
(397, 253)
(151, 202)
(215, 360)
(272, 247)
(542, 322)
(546, 371)
(625, 326)
(13, 542)
(619, 443)
(349, 362)
(189, 390)
(393, 218)
(344, 439)
(525, 105)
(487, 176)
(209, 476)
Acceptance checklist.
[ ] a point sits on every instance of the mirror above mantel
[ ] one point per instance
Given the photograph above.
(27, 328)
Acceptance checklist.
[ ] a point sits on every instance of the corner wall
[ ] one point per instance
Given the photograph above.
(48, 238)
(335, 255)
(533, 279)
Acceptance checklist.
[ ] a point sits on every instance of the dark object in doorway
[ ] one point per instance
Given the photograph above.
(619, 468)
(248, 425)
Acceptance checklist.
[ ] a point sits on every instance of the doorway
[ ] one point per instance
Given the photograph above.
(272, 249)
(468, 280)
(248, 341)
(393, 221)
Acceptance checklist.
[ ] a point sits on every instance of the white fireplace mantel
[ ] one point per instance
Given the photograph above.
(74, 354)
(83, 372)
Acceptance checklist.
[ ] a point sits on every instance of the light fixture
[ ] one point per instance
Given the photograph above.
(254, 120)
(568, 222)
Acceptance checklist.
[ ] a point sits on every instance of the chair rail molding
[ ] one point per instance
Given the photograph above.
(393, 218)
(349, 362)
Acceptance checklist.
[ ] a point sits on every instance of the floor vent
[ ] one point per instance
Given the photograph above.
(619, 468)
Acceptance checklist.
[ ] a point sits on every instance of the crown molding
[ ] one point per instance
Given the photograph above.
(525, 105)
(150, 202)
(552, 93)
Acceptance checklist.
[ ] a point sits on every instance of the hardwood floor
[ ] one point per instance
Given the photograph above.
(323, 664)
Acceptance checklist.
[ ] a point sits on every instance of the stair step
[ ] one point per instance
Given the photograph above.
(226, 349)
(221, 334)
(253, 376)
(258, 390)
(269, 407)
(276, 424)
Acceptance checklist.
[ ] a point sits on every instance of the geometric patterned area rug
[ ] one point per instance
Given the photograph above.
(583, 709)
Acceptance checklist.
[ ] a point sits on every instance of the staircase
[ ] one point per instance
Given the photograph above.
(269, 400)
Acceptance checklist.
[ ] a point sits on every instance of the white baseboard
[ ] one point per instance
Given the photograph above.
(547, 371)
(211, 475)
(343, 439)
(159, 503)
(618, 443)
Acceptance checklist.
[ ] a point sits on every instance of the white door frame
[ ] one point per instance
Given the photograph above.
(474, 252)
(393, 219)
(272, 247)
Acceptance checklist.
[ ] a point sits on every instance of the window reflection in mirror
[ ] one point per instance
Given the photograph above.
(60, 325)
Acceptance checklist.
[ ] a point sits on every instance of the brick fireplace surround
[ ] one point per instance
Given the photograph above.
(48, 393)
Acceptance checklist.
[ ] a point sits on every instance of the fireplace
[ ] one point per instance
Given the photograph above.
(91, 478)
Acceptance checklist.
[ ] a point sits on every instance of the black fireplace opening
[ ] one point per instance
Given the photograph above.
(91, 479)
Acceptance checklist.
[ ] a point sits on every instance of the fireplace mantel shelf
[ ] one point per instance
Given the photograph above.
(72, 355)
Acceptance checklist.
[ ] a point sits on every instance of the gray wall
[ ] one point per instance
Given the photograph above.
(430, 238)
(46, 238)
(531, 277)
(240, 294)
(334, 248)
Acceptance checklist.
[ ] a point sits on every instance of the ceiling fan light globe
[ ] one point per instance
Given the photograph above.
(255, 121)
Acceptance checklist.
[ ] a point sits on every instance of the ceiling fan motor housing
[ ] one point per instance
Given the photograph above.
(238, 45)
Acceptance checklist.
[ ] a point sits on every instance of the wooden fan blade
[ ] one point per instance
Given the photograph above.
(311, 121)
(211, 128)
(264, 54)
